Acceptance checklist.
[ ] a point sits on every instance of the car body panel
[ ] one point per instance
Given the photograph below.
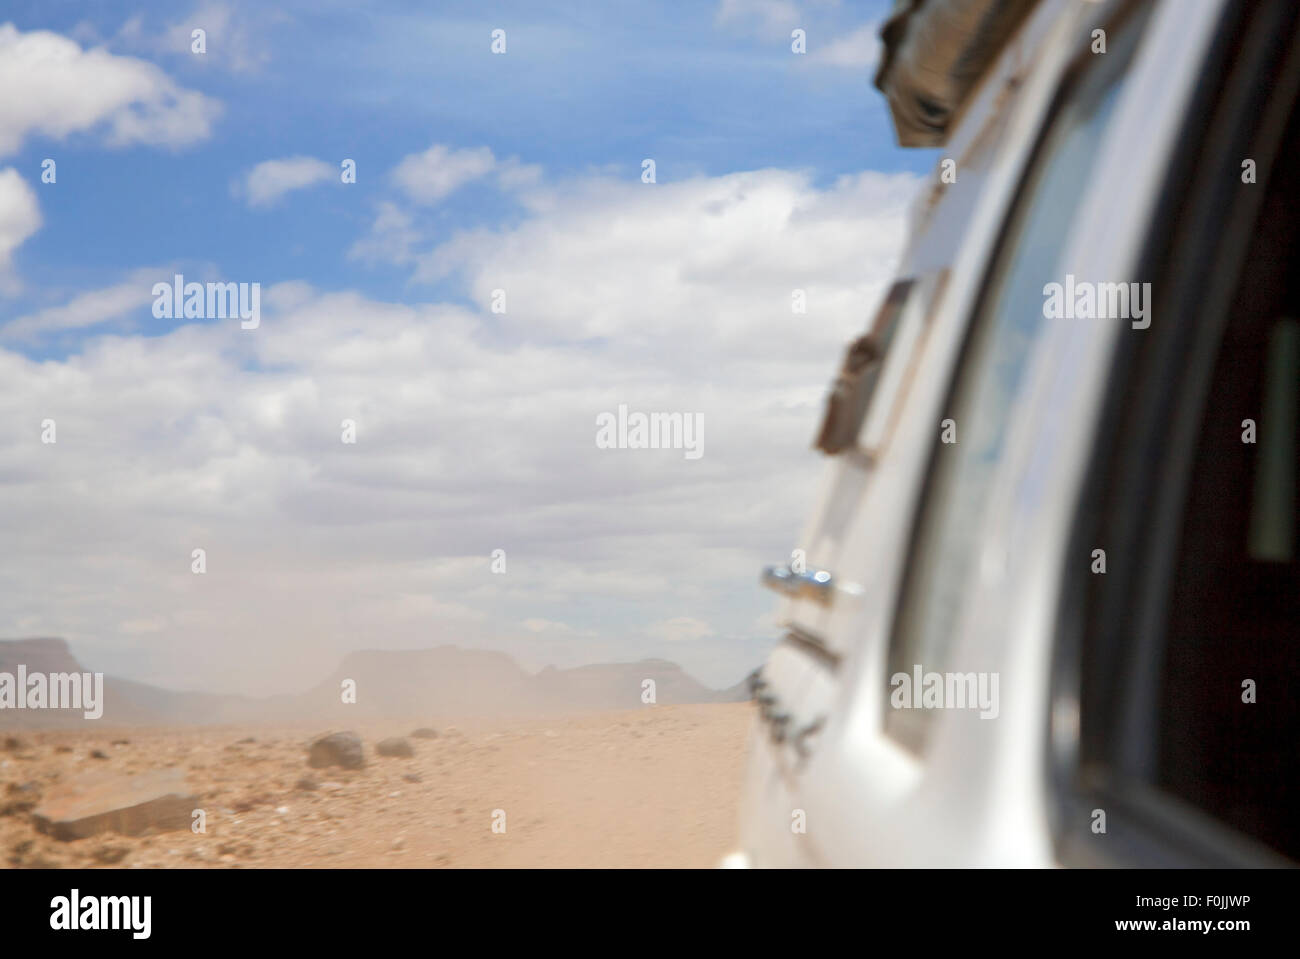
(975, 794)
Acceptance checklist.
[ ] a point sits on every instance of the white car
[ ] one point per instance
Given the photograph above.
(1046, 609)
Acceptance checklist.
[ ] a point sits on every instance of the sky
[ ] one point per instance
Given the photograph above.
(499, 275)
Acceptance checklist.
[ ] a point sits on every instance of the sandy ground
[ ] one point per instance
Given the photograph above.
(645, 788)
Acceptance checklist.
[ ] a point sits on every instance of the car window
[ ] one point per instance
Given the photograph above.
(991, 371)
(1174, 718)
(1226, 713)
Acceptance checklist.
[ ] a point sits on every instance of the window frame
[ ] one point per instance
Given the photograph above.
(909, 731)
(1135, 490)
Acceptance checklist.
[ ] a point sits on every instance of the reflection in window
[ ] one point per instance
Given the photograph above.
(992, 370)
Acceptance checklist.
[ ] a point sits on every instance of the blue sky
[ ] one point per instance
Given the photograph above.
(581, 87)
(474, 171)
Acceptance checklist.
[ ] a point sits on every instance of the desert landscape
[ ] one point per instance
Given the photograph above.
(566, 768)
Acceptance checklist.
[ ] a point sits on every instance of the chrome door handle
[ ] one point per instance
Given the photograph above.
(814, 584)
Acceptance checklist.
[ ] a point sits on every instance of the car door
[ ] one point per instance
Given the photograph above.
(951, 581)
(837, 567)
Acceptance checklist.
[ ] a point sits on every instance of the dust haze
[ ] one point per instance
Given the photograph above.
(443, 757)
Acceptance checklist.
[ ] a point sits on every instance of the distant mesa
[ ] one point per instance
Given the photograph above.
(126, 702)
(423, 684)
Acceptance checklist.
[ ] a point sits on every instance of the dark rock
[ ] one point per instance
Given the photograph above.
(251, 802)
(108, 855)
(23, 798)
(337, 749)
(245, 851)
(13, 744)
(424, 732)
(412, 778)
(395, 746)
(19, 850)
(98, 754)
(307, 784)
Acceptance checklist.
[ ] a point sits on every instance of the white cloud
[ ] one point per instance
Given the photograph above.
(829, 42)
(238, 38)
(20, 217)
(50, 86)
(680, 629)
(513, 175)
(392, 237)
(133, 627)
(768, 17)
(857, 50)
(237, 42)
(426, 179)
(272, 179)
(538, 625)
(439, 171)
(86, 309)
(656, 259)
(475, 432)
